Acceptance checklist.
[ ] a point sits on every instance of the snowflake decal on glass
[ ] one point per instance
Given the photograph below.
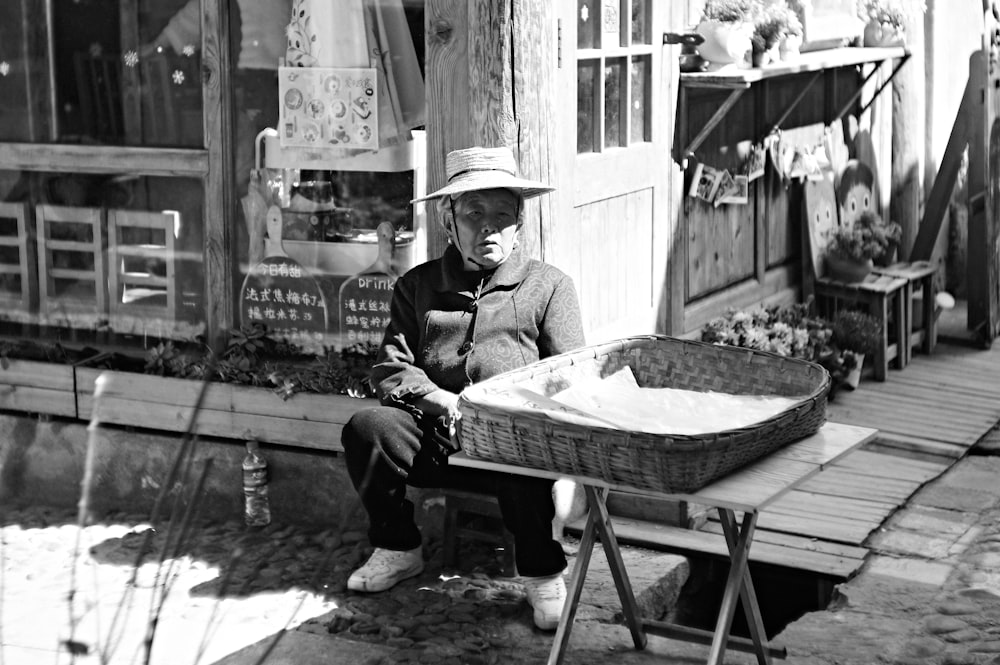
(130, 58)
(188, 50)
(178, 77)
(4, 68)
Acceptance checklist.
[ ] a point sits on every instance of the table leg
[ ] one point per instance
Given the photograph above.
(629, 607)
(575, 589)
(739, 584)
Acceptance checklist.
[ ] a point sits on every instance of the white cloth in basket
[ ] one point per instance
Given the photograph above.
(619, 399)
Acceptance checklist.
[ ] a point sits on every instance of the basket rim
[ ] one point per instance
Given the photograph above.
(818, 393)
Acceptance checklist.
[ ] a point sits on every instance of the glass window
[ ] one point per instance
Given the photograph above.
(586, 105)
(112, 75)
(105, 257)
(640, 22)
(324, 217)
(639, 96)
(611, 24)
(588, 24)
(618, 71)
(614, 119)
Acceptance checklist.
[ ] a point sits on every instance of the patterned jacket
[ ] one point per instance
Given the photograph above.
(450, 328)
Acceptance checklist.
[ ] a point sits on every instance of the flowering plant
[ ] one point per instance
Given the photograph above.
(866, 239)
(887, 13)
(786, 330)
(772, 23)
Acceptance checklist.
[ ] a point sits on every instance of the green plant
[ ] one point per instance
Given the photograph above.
(868, 238)
(253, 358)
(771, 24)
(887, 13)
(729, 11)
(787, 330)
(856, 331)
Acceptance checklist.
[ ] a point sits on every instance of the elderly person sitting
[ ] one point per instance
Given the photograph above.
(484, 307)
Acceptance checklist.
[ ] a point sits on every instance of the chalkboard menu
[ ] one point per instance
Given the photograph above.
(364, 307)
(365, 297)
(280, 293)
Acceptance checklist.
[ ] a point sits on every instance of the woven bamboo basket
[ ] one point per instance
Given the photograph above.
(655, 462)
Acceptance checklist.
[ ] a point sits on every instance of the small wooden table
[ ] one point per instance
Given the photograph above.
(749, 490)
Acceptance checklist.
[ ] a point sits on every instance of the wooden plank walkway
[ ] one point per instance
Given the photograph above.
(928, 416)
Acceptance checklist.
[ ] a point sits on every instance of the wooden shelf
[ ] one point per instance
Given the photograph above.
(808, 62)
(738, 81)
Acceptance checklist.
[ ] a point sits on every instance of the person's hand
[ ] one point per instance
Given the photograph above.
(440, 403)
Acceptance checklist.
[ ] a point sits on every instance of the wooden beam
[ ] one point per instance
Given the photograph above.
(944, 183)
(490, 79)
(449, 121)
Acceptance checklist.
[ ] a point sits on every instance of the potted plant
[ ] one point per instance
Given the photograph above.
(771, 25)
(791, 42)
(885, 21)
(726, 26)
(853, 248)
(855, 334)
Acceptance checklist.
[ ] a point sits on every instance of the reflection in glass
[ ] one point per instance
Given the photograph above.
(611, 24)
(614, 132)
(588, 23)
(639, 100)
(117, 255)
(112, 77)
(586, 105)
(640, 24)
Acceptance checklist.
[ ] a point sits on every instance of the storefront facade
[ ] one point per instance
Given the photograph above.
(131, 130)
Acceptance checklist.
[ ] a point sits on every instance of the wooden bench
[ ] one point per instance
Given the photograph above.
(748, 490)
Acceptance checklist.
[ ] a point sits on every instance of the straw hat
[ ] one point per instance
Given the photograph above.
(477, 168)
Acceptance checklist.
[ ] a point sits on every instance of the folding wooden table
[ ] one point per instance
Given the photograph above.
(748, 490)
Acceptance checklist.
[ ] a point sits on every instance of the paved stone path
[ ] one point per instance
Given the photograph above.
(928, 595)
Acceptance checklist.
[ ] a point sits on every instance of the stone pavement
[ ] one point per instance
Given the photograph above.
(929, 594)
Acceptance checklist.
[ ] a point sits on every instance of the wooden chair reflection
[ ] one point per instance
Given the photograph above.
(876, 293)
(72, 275)
(18, 270)
(142, 281)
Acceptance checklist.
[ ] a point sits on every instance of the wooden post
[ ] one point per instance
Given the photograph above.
(489, 69)
(909, 131)
(220, 197)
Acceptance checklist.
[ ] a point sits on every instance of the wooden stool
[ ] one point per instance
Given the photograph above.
(461, 511)
(918, 275)
(876, 293)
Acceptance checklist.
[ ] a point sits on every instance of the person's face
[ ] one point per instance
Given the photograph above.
(485, 227)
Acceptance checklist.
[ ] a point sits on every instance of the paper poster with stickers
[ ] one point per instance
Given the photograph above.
(328, 107)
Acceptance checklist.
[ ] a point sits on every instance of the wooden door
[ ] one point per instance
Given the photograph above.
(615, 90)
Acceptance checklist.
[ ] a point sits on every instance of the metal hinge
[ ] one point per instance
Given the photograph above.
(559, 43)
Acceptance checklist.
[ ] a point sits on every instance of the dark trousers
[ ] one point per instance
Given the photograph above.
(387, 449)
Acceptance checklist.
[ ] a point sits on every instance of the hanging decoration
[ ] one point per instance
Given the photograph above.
(719, 186)
(361, 34)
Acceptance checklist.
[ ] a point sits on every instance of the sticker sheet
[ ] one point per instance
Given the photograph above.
(328, 106)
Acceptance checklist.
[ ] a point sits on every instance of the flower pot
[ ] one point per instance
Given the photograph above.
(764, 58)
(883, 35)
(853, 376)
(789, 48)
(725, 43)
(847, 270)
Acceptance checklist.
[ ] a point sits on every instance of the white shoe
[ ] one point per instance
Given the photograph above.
(386, 568)
(547, 595)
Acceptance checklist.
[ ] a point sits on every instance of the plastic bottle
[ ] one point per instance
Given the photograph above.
(257, 509)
